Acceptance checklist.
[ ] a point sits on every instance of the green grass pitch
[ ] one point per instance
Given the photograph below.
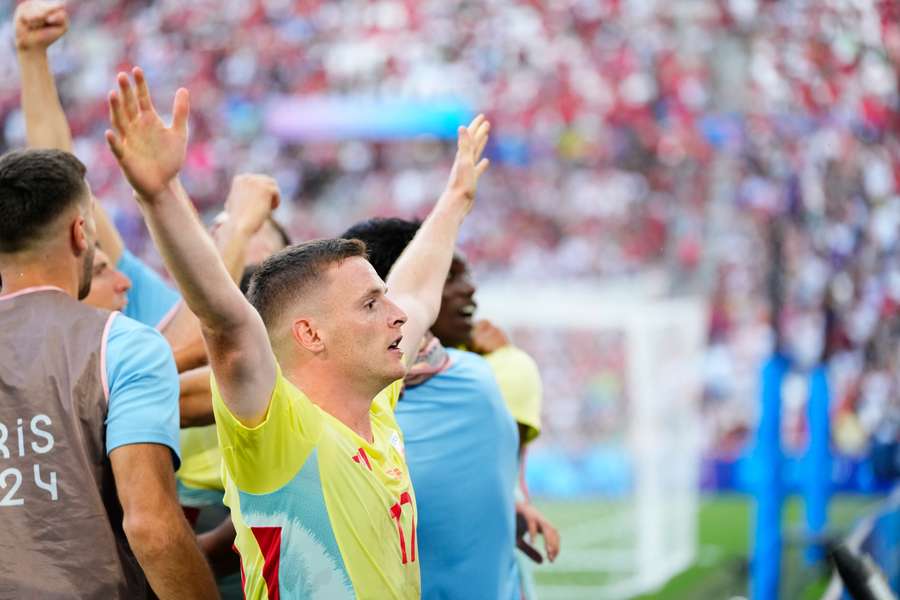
(593, 532)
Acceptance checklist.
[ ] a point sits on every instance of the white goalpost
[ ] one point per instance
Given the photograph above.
(622, 373)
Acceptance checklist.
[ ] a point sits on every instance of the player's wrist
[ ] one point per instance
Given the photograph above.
(247, 226)
(30, 51)
(453, 203)
(159, 194)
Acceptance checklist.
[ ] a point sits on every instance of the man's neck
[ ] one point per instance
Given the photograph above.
(21, 275)
(336, 396)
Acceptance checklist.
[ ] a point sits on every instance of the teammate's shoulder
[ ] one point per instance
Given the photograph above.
(123, 325)
(471, 362)
(511, 357)
(136, 343)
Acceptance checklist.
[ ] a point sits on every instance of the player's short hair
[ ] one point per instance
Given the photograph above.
(282, 232)
(385, 240)
(246, 276)
(36, 187)
(289, 274)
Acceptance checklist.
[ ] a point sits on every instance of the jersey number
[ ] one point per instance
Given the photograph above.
(396, 512)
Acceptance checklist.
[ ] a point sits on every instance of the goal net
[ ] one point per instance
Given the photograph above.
(617, 463)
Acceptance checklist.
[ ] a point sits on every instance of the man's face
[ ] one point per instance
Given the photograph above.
(362, 326)
(109, 286)
(454, 322)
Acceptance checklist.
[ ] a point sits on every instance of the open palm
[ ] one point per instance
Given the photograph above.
(149, 153)
(469, 165)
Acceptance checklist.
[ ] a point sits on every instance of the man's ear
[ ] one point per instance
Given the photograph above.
(78, 235)
(306, 333)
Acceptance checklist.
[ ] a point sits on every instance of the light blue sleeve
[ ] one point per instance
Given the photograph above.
(150, 299)
(143, 388)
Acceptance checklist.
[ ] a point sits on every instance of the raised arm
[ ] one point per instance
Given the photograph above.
(417, 279)
(151, 155)
(250, 202)
(37, 25)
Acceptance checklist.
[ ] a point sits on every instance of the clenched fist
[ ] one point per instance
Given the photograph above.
(39, 23)
(251, 201)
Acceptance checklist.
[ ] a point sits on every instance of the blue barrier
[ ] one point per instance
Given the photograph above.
(817, 476)
(766, 562)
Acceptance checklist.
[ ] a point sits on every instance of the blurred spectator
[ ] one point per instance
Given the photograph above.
(629, 135)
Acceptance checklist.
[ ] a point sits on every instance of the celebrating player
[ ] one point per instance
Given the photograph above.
(452, 403)
(92, 400)
(305, 385)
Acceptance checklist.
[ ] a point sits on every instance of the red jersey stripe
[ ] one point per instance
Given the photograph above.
(269, 540)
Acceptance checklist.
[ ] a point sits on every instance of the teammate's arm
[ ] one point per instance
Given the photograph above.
(537, 524)
(195, 399)
(218, 547)
(151, 155)
(417, 279)
(37, 25)
(191, 355)
(250, 203)
(141, 442)
(154, 523)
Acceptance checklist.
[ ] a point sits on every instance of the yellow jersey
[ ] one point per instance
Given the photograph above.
(200, 475)
(319, 511)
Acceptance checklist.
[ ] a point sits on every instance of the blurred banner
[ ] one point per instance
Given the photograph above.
(318, 118)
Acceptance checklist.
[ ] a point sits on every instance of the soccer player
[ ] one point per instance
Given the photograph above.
(450, 405)
(247, 233)
(449, 410)
(38, 25)
(519, 381)
(148, 298)
(88, 411)
(305, 384)
(200, 487)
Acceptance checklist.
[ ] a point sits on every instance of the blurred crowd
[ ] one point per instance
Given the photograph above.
(712, 139)
(815, 187)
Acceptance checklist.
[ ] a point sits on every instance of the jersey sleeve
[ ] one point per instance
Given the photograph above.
(520, 383)
(263, 458)
(151, 300)
(143, 387)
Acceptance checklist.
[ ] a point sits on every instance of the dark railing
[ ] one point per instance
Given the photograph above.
(867, 562)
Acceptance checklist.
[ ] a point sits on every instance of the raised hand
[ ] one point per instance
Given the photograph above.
(39, 23)
(149, 153)
(469, 165)
(251, 201)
